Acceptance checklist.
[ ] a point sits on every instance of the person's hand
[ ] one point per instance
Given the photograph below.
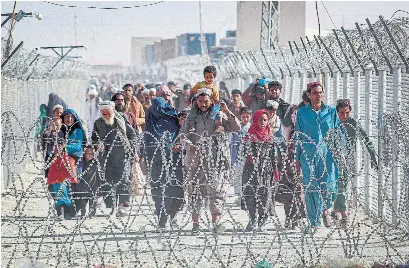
(298, 166)
(293, 108)
(224, 108)
(176, 148)
(374, 165)
(255, 82)
(250, 159)
(100, 147)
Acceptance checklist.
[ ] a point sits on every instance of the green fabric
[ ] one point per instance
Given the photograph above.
(351, 127)
(342, 197)
(40, 125)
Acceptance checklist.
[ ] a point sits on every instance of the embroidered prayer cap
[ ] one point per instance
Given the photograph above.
(204, 91)
(272, 104)
(57, 106)
(106, 105)
(313, 84)
(145, 91)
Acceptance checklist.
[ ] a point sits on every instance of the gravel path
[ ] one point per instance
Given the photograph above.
(30, 230)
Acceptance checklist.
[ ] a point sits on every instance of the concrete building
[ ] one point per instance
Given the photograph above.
(248, 25)
(164, 50)
(138, 54)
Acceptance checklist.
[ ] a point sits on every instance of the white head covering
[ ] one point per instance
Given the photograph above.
(272, 104)
(92, 91)
(105, 105)
(145, 91)
(206, 91)
(57, 106)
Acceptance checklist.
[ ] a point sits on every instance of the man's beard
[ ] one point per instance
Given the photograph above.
(120, 108)
(110, 121)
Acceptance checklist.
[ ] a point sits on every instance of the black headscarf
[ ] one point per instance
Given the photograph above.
(53, 100)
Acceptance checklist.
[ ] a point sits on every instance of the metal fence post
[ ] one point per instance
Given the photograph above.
(327, 78)
(381, 111)
(284, 88)
(396, 98)
(367, 181)
(356, 111)
(345, 84)
(302, 86)
(292, 87)
(335, 87)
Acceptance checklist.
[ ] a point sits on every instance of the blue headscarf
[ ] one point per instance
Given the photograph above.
(77, 122)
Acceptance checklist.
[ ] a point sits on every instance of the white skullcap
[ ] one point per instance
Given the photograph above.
(206, 91)
(91, 87)
(93, 92)
(106, 105)
(58, 106)
(272, 104)
(145, 91)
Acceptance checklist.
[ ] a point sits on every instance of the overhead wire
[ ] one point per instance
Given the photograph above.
(328, 15)
(103, 8)
(318, 18)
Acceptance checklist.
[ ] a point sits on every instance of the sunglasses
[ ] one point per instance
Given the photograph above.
(343, 102)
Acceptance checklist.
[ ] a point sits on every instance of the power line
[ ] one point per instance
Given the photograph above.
(318, 17)
(329, 15)
(104, 8)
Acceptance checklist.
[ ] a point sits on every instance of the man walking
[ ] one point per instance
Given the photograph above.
(115, 141)
(312, 154)
(208, 157)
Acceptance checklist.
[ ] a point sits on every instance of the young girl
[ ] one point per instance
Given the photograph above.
(259, 170)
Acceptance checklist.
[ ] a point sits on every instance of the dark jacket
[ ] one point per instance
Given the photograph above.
(281, 112)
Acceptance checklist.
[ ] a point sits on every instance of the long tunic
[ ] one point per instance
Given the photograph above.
(162, 127)
(116, 156)
(317, 163)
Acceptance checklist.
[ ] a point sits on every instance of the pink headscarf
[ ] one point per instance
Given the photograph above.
(257, 133)
(164, 90)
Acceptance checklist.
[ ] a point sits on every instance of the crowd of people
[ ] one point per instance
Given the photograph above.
(197, 142)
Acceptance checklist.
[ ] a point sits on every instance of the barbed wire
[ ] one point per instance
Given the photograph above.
(25, 65)
(34, 234)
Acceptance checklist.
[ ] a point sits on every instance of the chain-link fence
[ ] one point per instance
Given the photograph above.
(27, 80)
(368, 65)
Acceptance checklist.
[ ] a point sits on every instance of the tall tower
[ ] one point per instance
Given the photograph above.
(269, 32)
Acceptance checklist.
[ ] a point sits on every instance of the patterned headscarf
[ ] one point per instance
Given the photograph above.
(164, 90)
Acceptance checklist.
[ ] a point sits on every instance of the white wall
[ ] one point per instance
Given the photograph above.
(292, 21)
(248, 25)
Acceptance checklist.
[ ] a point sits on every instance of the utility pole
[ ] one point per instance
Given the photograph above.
(202, 35)
(9, 38)
(75, 29)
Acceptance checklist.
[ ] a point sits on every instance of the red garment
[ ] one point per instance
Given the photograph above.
(256, 132)
(62, 168)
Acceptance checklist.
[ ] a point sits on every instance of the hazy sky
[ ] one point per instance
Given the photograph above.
(107, 33)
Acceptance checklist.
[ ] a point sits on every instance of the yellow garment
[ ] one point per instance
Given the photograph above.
(136, 108)
(213, 87)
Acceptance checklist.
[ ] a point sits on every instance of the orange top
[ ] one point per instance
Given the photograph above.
(213, 87)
